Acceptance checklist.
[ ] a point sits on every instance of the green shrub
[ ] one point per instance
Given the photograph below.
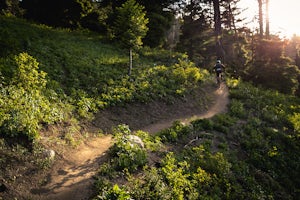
(203, 124)
(233, 83)
(151, 186)
(114, 193)
(151, 143)
(237, 108)
(23, 105)
(27, 75)
(177, 176)
(127, 155)
(85, 106)
(295, 120)
(280, 75)
(176, 132)
(222, 122)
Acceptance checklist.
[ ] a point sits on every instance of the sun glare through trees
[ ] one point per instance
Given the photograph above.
(283, 16)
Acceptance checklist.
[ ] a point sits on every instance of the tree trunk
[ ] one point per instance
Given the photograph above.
(217, 17)
(232, 20)
(218, 29)
(260, 18)
(267, 20)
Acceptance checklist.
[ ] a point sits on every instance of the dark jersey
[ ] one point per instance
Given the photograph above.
(219, 67)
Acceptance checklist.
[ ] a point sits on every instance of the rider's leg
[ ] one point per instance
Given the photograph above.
(218, 77)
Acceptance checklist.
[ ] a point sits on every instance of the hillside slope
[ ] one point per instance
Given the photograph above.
(249, 152)
(70, 176)
(73, 59)
(84, 74)
(204, 102)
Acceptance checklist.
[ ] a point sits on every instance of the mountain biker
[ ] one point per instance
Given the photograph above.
(219, 68)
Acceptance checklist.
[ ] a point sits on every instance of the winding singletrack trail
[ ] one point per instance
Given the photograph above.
(71, 175)
(219, 106)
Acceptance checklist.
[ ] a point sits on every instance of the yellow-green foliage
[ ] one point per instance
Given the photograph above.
(260, 133)
(79, 72)
(23, 104)
(175, 174)
(185, 72)
(128, 155)
(90, 73)
(27, 75)
(154, 82)
(232, 83)
(295, 120)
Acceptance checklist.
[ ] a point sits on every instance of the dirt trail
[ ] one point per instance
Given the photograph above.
(71, 175)
(219, 106)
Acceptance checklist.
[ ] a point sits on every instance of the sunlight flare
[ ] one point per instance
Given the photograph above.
(284, 17)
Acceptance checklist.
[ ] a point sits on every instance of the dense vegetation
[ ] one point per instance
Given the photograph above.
(59, 67)
(60, 73)
(58, 77)
(252, 152)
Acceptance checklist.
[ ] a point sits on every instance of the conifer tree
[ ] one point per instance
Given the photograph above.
(130, 26)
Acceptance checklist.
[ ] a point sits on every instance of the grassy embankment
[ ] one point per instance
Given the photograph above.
(251, 152)
(83, 74)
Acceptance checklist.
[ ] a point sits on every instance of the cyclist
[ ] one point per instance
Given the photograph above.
(219, 68)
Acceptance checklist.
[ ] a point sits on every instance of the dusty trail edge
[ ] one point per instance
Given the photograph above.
(71, 175)
(219, 106)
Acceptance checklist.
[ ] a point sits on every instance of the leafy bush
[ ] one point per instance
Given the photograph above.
(280, 74)
(126, 154)
(183, 179)
(114, 193)
(237, 108)
(23, 105)
(27, 75)
(153, 82)
(176, 132)
(177, 177)
(151, 143)
(151, 186)
(203, 124)
(259, 162)
(85, 105)
(222, 122)
(295, 120)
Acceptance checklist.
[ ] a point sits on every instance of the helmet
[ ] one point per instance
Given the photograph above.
(219, 61)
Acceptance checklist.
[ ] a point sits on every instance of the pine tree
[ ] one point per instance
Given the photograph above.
(130, 26)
